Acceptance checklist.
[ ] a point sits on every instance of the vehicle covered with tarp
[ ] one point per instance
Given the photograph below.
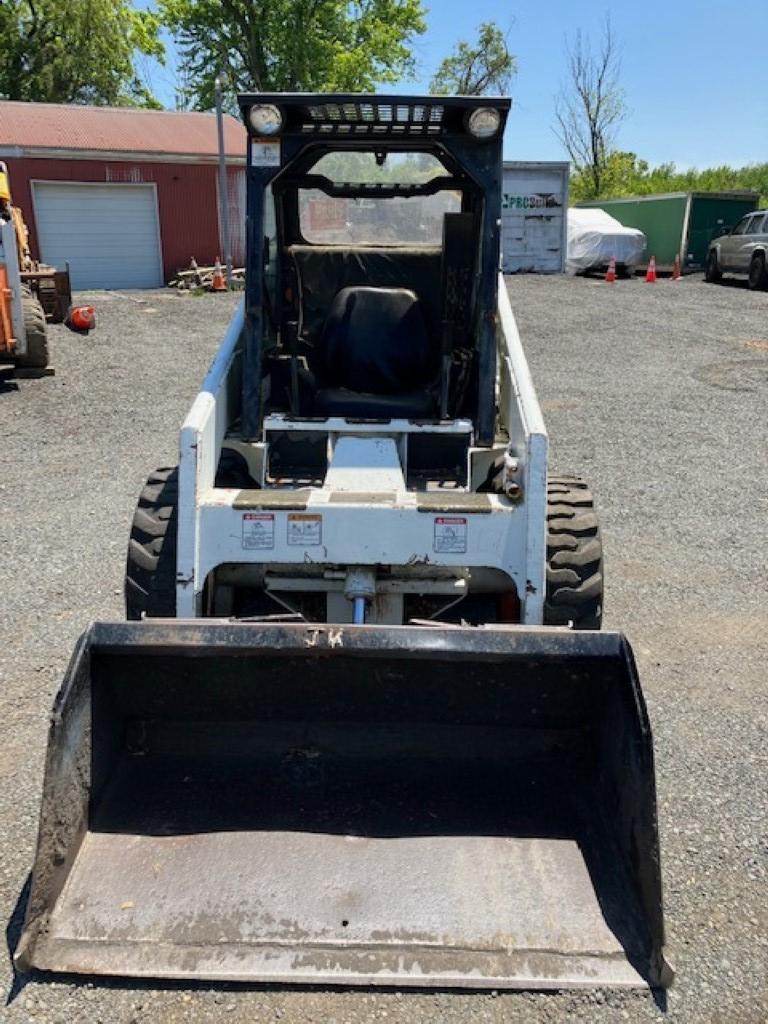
(595, 238)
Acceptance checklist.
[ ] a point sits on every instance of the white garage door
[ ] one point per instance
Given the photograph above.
(107, 233)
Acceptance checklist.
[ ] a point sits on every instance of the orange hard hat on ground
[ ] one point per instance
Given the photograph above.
(81, 318)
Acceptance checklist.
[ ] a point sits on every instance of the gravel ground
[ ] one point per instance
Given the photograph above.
(658, 396)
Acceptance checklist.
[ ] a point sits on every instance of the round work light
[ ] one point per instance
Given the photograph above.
(265, 119)
(484, 122)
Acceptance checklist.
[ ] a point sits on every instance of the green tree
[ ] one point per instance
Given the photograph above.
(625, 174)
(474, 69)
(410, 168)
(81, 51)
(293, 45)
(621, 174)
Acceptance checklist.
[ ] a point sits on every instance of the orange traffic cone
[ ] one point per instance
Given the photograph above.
(81, 318)
(650, 274)
(610, 274)
(676, 269)
(218, 284)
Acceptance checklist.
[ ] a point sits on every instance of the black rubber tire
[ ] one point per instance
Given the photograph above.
(36, 356)
(758, 275)
(574, 556)
(712, 273)
(150, 571)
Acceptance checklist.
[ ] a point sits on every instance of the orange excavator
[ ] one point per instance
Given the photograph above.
(31, 293)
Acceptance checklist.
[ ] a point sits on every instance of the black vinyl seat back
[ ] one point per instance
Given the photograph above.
(324, 270)
(376, 342)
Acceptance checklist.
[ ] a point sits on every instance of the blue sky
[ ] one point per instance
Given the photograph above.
(693, 71)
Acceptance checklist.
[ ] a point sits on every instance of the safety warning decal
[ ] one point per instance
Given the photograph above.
(265, 154)
(258, 530)
(305, 529)
(450, 535)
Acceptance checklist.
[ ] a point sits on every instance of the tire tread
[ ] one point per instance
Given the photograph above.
(37, 355)
(574, 556)
(150, 571)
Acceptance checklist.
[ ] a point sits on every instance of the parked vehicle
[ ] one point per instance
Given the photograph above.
(595, 238)
(385, 741)
(30, 293)
(743, 250)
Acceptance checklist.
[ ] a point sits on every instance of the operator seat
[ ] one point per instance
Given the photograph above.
(375, 358)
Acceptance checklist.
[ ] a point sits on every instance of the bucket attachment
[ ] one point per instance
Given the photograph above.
(351, 805)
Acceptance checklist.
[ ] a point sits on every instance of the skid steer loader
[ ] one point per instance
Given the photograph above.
(364, 728)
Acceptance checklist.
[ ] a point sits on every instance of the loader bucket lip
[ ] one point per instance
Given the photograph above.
(74, 839)
(505, 641)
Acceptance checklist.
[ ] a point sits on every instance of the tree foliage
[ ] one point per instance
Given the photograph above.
(591, 106)
(81, 51)
(292, 45)
(625, 174)
(402, 168)
(474, 69)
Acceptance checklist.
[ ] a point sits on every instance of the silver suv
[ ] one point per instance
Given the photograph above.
(744, 250)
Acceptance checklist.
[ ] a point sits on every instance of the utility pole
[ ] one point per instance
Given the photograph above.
(223, 190)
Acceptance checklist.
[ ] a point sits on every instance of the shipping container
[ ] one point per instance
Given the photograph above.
(680, 224)
(533, 227)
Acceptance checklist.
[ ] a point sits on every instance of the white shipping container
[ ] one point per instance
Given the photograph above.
(534, 203)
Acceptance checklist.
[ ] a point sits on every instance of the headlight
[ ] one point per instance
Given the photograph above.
(265, 119)
(484, 122)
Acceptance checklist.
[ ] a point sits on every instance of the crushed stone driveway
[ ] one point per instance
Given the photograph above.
(658, 395)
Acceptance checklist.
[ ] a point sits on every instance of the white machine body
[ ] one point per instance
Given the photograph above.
(366, 532)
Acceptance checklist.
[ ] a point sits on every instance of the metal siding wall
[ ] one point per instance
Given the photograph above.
(186, 196)
(534, 201)
(710, 215)
(659, 218)
(236, 186)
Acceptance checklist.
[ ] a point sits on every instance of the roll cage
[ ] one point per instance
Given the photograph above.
(281, 165)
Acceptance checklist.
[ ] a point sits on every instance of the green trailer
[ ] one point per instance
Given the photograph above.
(680, 223)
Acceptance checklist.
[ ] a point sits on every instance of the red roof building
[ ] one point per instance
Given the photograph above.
(125, 196)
